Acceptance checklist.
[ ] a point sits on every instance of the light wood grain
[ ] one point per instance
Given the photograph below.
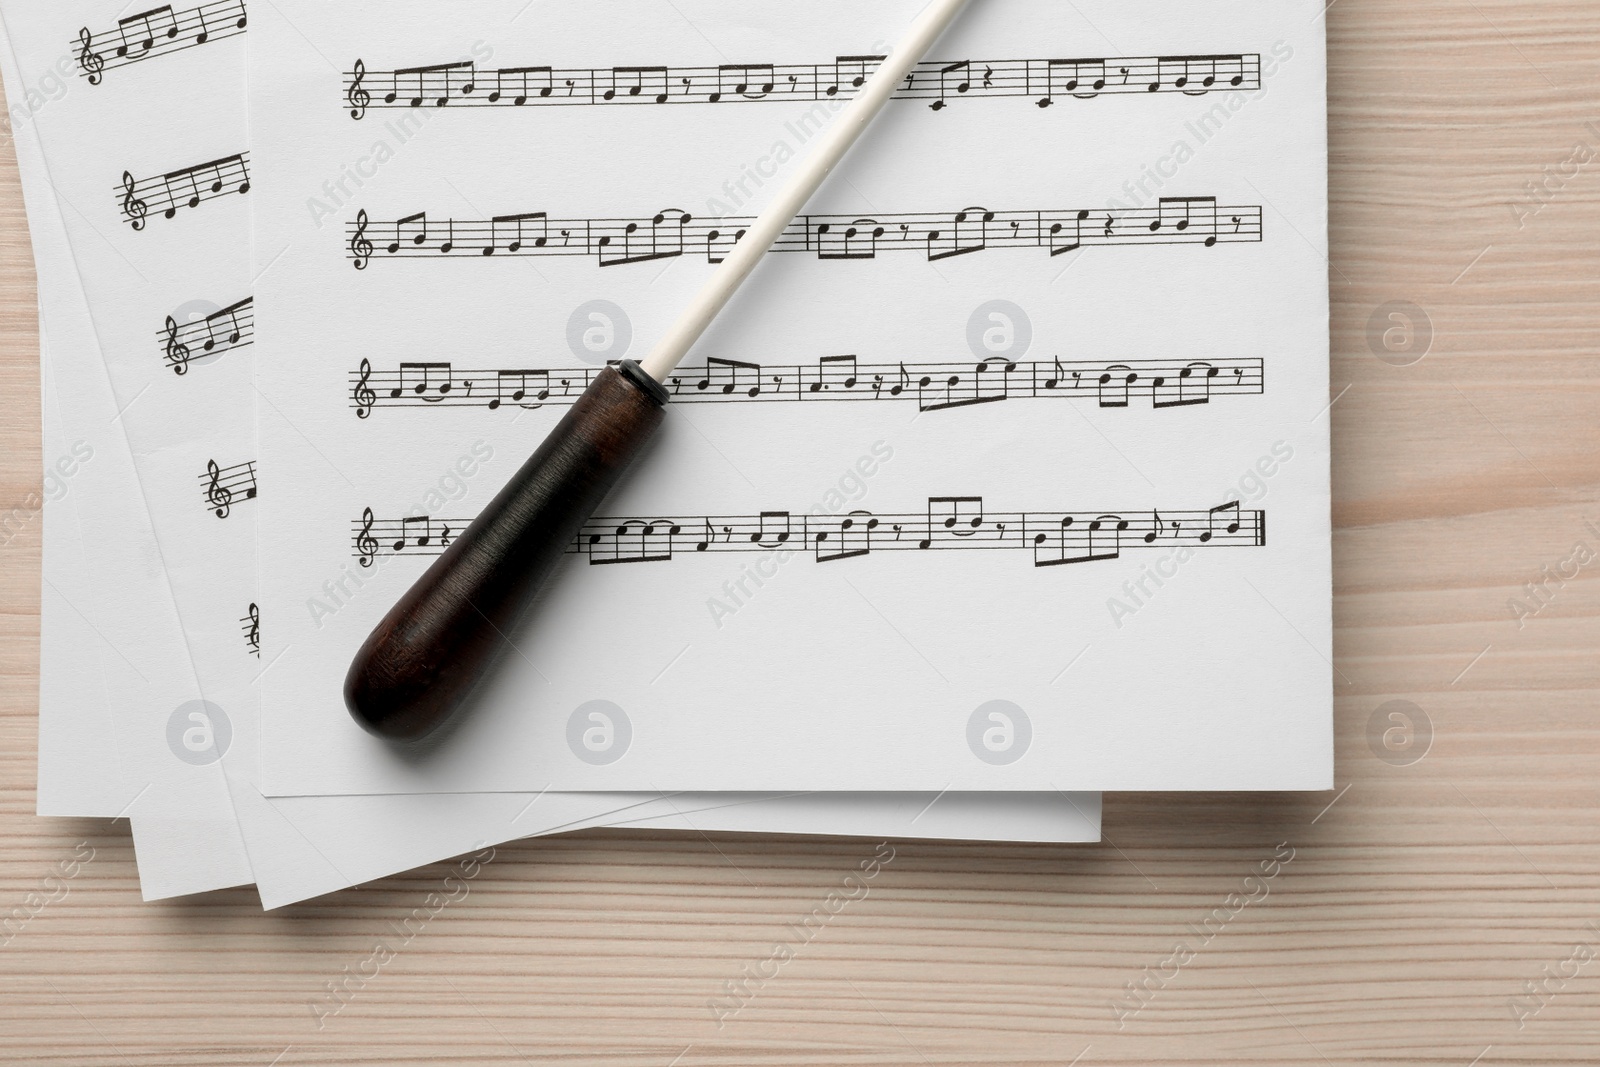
(1415, 908)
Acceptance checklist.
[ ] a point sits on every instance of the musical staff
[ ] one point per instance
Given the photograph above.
(230, 328)
(948, 523)
(1164, 383)
(937, 82)
(189, 187)
(672, 233)
(223, 486)
(251, 624)
(157, 32)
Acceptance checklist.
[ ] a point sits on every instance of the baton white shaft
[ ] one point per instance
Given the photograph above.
(835, 142)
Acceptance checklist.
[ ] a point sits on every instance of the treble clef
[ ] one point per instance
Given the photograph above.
(177, 351)
(360, 247)
(254, 634)
(88, 58)
(366, 544)
(365, 397)
(219, 496)
(134, 208)
(357, 97)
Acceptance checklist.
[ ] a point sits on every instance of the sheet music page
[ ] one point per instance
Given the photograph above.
(302, 847)
(1008, 470)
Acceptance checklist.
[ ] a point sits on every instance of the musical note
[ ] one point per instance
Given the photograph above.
(857, 239)
(517, 77)
(839, 372)
(1060, 245)
(91, 63)
(357, 96)
(150, 21)
(988, 382)
(231, 314)
(633, 81)
(634, 541)
(1060, 376)
(851, 72)
(435, 80)
(1155, 528)
(730, 369)
(619, 242)
(417, 223)
(422, 540)
(1073, 542)
(177, 351)
(947, 524)
(666, 230)
(963, 73)
(1115, 384)
(1198, 75)
(747, 82)
(513, 385)
(773, 530)
(975, 237)
(851, 537)
(719, 242)
(175, 198)
(365, 396)
(1071, 75)
(410, 372)
(1180, 213)
(1228, 511)
(1184, 393)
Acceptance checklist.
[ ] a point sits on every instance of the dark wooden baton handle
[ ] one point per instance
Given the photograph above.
(445, 635)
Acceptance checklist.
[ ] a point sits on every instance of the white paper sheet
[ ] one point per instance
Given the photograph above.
(442, 267)
(308, 846)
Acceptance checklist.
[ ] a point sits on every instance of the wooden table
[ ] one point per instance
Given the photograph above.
(1443, 911)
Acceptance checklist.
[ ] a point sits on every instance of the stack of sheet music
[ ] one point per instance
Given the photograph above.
(960, 512)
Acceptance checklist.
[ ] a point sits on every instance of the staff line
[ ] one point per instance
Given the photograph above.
(1043, 80)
